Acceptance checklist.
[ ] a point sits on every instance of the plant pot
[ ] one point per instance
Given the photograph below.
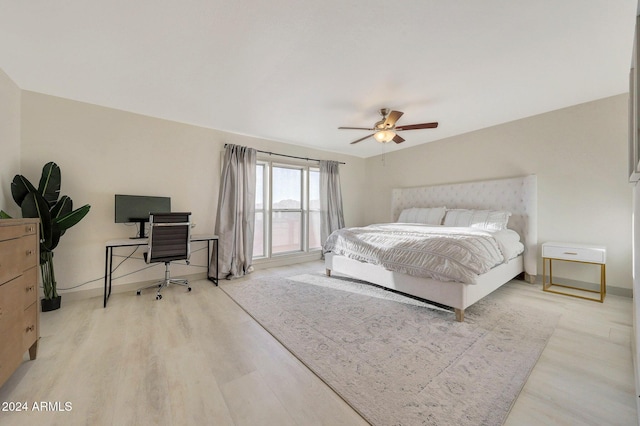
(50, 304)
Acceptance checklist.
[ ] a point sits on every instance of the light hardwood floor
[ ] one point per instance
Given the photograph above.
(197, 358)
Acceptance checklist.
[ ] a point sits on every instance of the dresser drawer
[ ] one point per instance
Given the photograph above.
(17, 255)
(10, 259)
(30, 329)
(10, 315)
(10, 292)
(28, 252)
(576, 252)
(10, 351)
(29, 285)
(14, 231)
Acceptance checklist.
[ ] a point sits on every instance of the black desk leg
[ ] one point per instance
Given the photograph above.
(108, 264)
(106, 275)
(217, 254)
(110, 270)
(213, 279)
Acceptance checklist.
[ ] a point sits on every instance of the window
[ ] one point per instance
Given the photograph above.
(287, 209)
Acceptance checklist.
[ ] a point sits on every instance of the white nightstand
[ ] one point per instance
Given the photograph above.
(579, 253)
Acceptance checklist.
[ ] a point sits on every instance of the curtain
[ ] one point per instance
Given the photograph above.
(236, 212)
(331, 215)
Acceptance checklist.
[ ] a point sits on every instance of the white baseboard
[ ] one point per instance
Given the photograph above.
(286, 260)
(122, 288)
(130, 287)
(611, 290)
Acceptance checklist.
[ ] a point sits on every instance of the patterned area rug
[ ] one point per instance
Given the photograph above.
(397, 360)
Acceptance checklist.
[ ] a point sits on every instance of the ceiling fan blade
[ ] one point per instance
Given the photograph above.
(418, 126)
(398, 139)
(392, 118)
(356, 128)
(361, 139)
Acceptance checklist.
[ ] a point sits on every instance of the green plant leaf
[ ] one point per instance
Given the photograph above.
(34, 205)
(56, 216)
(49, 186)
(63, 207)
(4, 215)
(20, 187)
(56, 233)
(67, 221)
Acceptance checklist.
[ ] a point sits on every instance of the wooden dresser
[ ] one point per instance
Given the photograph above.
(19, 313)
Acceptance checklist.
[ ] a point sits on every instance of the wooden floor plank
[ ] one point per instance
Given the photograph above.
(198, 358)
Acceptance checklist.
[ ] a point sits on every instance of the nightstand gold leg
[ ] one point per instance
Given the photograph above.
(546, 285)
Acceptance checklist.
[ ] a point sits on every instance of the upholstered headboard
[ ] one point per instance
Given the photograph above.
(517, 195)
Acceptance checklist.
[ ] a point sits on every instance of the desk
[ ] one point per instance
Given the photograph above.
(133, 242)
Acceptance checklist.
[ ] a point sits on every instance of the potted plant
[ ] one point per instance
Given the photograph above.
(56, 215)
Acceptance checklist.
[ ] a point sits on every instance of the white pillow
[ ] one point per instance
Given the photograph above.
(491, 220)
(427, 216)
(507, 235)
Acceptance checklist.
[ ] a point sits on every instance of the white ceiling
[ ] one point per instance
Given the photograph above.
(295, 70)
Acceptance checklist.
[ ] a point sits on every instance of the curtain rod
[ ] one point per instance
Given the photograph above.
(289, 156)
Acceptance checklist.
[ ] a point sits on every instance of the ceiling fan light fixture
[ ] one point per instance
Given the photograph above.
(384, 136)
(384, 131)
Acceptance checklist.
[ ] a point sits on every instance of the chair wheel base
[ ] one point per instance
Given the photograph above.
(158, 297)
(189, 288)
(138, 293)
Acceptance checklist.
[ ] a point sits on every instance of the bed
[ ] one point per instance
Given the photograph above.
(518, 196)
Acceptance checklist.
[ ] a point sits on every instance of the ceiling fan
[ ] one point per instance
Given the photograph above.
(386, 130)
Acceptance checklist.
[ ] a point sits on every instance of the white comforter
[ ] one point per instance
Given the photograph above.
(438, 252)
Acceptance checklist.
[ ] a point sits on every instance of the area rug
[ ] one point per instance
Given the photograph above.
(397, 360)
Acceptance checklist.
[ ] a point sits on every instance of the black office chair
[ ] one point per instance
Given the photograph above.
(169, 240)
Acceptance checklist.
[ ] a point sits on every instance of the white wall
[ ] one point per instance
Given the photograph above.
(579, 155)
(103, 151)
(9, 141)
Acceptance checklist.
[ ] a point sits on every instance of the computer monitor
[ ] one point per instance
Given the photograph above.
(136, 209)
